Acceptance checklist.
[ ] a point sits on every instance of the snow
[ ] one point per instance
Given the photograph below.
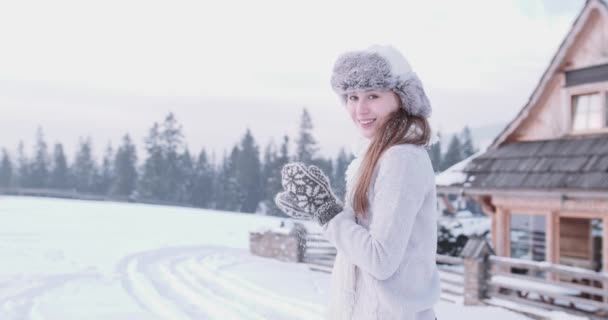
(455, 174)
(546, 265)
(535, 286)
(541, 313)
(463, 224)
(69, 259)
(283, 227)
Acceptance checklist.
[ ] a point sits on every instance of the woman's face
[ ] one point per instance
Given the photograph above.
(369, 109)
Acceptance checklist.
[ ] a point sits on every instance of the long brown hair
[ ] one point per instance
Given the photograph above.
(398, 128)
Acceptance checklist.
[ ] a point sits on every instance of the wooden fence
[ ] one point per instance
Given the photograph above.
(538, 284)
(319, 255)
(451, 275)
(549, 286)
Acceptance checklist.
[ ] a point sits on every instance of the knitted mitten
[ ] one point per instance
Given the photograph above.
(307, 194)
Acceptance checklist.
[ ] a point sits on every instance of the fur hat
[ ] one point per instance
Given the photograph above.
(380, 67)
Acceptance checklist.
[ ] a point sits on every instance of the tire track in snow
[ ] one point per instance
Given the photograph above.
(208, 272)
(188, 283)
(208, 298)
(146, 293)
(20, 304)
(158, 287)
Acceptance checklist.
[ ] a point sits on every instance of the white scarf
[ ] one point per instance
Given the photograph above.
(343, 277)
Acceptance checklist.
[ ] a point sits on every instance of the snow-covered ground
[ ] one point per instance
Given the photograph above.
(67, 259)
(465, 223)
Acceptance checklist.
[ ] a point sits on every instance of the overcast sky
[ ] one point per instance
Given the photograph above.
(106, 68)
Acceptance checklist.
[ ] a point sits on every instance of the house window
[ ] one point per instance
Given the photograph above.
(528, 236)
(589, 112)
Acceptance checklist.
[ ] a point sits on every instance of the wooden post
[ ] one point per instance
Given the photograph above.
(494, 230)
(605, 243)
(503, 230)
(490, 210)
(507, 233)
(500, 232)
(605, 253)
(552, 240)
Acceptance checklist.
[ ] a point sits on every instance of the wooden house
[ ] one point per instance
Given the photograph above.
(544, 179)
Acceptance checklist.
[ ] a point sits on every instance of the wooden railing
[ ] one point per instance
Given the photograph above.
(451, 275)
(574, 290)
(320, 255)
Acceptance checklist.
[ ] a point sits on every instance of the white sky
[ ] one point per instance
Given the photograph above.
(105, 68)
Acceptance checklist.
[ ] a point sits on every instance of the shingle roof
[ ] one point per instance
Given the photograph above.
(578, 162)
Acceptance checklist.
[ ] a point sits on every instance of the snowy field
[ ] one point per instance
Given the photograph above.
(68, 259)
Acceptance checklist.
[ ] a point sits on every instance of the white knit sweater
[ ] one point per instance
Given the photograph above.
(385, 268)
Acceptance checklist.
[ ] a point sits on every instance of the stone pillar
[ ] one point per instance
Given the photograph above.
(475, 284)
(476, 270)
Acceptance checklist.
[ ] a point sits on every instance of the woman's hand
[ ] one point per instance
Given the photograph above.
(307, 194)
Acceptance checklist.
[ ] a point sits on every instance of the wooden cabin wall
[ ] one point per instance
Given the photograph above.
(576, 241)
(592, 46)
(550, 116)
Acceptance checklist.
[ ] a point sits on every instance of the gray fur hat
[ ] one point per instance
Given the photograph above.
(380, 67)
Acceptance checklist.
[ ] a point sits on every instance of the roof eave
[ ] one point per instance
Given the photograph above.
(543, 193)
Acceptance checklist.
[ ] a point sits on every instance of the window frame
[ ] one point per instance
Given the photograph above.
(529, 215)
(586, 89)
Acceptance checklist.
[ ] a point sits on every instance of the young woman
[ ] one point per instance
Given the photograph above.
(386, 232)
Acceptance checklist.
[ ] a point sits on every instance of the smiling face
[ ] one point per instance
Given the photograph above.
(368, 109)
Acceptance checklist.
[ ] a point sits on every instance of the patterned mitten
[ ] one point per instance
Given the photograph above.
(287, 202)
(307, 193)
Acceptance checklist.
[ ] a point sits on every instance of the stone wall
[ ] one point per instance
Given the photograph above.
(284, 246)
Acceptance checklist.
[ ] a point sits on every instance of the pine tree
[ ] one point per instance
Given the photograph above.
(6, 170)
(23, 168)
(60, 176)
(454, 153)
(229, 192)
(202, 190)
(248, 173)
(151, 184)
(39, 174)
(273, 163)
(468, 149)
(280, 162)
(172, 145)
(284, 152)
(435, 155)
(106, 173)
(186, 178)
(124, 179)
(306, 147)
(339, 178)
(268, 160)
(220, 183)
(84, 170)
